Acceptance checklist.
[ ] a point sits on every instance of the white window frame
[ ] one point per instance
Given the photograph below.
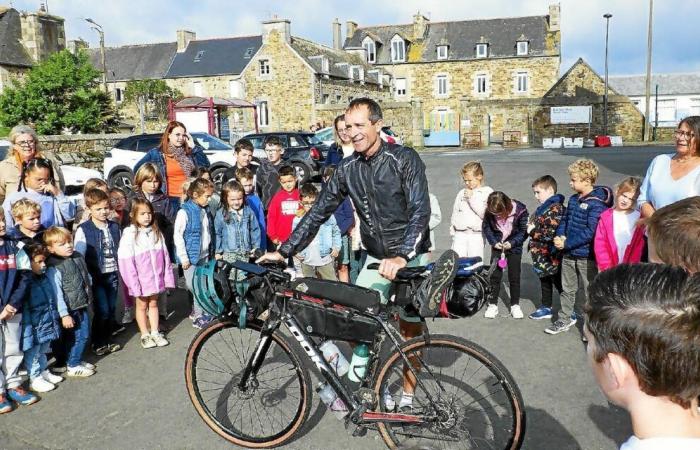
(264, 67)
(479, 80)
(236, 83)
(398, 49)
(325, 65)
(197, 89)
(663, 110)
(398, 91)
(522, 48)
(522, 82)
(263, 113)
(118, 94)
(442, 52)
(695, 106)
(482, 50)
(442, 85)
(370, 49)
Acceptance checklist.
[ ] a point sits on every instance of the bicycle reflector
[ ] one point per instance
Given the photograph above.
(211, 288)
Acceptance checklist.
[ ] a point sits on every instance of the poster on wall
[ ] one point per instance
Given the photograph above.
(569, 114)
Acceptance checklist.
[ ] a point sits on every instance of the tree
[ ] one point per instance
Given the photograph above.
(150, 94)
(60, 93)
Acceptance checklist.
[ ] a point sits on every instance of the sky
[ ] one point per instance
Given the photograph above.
(676, 35)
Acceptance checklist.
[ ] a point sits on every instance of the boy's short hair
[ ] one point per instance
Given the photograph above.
(93, 183)
(244, 173)
(57, 235)
(286, 171)
(649, 314)
(308, 190)
(95, 196)
(273, 141)
(674, 233)
(24, 206)
(243, 144)
(584, 169)
(546, 182)
(35, 249)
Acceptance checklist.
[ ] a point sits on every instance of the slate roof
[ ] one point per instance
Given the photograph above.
(669, 83)
(135, 62)
(210, 57)
(338, 60)
(12, 52)
(462, 36)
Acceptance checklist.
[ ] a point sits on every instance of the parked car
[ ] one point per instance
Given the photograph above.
(121, 159)
(303, 151)
(389, 136)
(74, 176)
(326, 135)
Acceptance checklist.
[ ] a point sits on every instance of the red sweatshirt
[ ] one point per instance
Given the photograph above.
(280, 214)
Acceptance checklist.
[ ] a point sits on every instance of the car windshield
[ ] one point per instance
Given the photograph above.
(313, 139)
(209, 142)
(325, 135)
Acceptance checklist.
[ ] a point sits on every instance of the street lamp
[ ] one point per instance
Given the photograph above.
(607, 17)
(97, 27)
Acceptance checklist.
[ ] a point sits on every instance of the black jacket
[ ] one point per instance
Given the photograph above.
(390, 194)
(267, 181)
(517, 235)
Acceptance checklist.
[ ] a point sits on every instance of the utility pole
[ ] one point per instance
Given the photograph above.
(97, 27)
(607, 17)
(647, 89)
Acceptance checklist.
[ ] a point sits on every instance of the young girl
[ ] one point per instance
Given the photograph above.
(194, 237)
(39, 322)
(505, 228)
(619, 237)
(468, 212)
(235, 225)
(144, 264)
(117, 200)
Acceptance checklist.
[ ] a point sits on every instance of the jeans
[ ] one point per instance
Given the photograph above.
(10, 352)
(35, 359)
(513, 260)
(69, 347)
(105, 288)
(197, 310)
(547, 285)
(572, 271)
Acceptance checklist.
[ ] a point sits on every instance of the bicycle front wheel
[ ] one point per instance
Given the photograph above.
(273, 406)
(475, 401)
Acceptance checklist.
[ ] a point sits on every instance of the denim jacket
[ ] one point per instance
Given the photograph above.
(155, 156)
(328, 236)
(238, 234)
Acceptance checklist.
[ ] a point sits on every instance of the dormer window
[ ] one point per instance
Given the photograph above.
(398, 49)
(441, 52)
(199, 56)
(325, 65)
(523, 48)
(370, 49)
(482, 50)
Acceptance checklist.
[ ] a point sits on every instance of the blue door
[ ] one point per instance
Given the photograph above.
(441, 128)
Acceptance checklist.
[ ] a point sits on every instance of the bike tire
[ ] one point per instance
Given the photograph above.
(240, 343)
(489, 381)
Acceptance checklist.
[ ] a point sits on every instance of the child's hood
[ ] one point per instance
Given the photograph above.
(551, 201)
(602, 194)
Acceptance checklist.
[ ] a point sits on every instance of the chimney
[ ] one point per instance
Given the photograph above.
(76, 45)
(281, 26)
(420, 24)
(42, 34)
(183, 38)
(337, 35)
(350, 28)
(554, 17)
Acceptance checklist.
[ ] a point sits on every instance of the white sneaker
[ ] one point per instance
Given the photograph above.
(389, 403)
(39, 384)
(51, 378)
(516, 312)
(159, 339)
(87, 365)
(147, 341)
(491, 311)
(129, 316)
(406, 401)
(79, 372)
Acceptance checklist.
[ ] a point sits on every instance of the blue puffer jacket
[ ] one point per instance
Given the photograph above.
(155, 156)
(581, 220)
(40, 313)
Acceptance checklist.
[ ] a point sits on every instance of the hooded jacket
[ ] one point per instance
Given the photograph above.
(581, 220)
(605, 246)
(546, 259)
(517, 236)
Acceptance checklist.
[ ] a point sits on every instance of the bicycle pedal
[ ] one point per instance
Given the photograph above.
(359, 431)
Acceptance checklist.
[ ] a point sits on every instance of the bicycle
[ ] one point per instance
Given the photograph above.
(246, 378)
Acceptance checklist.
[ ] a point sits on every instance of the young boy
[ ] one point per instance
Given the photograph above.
(283, 207)
(71, 281)
(267, 176)
(541, 229)
(13, 287)
(643, 331)
(28, 228)
(674, 234)
(574, 236)
(244, 160)
(246, 178)
(318, 259)
(98, 240)
(345, 219)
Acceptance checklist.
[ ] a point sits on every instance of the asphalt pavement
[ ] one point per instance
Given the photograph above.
(138, 398)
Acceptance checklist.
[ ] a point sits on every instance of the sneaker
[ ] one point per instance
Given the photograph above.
(22, 396)
(113, 347)
(202, 321)
(516, 312)
(159, 339)
(389, 403)
(117, 328)
(541, 313)
(129, 315)
(560, 326)
(87, 365)
(38, 384)
(101, 351)
(491, 311)
(79, 372)
(5, 405)
(147, 341)
(427, 298)
(406, 401)
(51, 378)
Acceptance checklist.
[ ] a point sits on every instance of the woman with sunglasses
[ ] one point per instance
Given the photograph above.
(674, 177)
(25, 147)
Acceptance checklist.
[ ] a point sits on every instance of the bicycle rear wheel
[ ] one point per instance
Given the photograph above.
(275, 404)
(476, 403)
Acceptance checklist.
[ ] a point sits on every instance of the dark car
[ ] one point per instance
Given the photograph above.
(304, 151)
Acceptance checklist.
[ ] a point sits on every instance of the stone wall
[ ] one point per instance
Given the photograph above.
(346, 89)
(86, 150)
(10, 73)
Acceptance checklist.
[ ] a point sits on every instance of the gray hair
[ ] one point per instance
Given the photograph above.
(23, 129)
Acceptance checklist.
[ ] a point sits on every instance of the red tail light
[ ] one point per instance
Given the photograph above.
(315, 154)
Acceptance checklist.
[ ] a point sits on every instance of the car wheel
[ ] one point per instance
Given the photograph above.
(303, 171)
(217, 177)
(123, 180)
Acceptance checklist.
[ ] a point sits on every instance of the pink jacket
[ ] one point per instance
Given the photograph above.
(605, 247)
(144, 264)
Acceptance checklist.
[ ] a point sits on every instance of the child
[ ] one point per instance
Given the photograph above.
(236, 228)
(82, 213)
(505, 228)
(546, 260)
(117, 200)
(39, 322)
(318, 258)
(28, 228)
(643, 331)
(13, 288)
(345, 219)
(215, 200)
(435, 219)
(98, 240)
(246, 177)
(268, 176)
(37, 184)
(673, 232)
(619, 237)
(575, 238)
(194, 237)
(283, 207)
(145, 267)
(468, 212)
(69, 276)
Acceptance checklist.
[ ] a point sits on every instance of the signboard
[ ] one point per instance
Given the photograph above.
(569, 114)
(195, 121)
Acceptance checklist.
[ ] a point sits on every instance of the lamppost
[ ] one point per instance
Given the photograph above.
(607, 17)
(97, 27)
